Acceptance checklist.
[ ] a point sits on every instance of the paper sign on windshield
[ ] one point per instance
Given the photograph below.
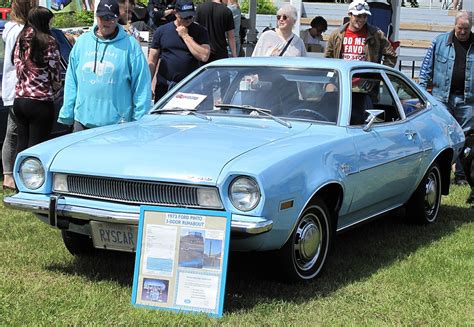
(182, 100)
(181, 259)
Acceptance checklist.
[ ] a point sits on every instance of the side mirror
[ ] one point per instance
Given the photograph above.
(375, 116)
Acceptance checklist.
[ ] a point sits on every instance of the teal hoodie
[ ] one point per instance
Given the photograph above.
(107, 81)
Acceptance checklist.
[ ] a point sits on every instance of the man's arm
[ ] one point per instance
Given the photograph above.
(153, 56)
(426, 69)
(200, 51)
(329, 53)
(231, 40)
(140, 85)
(389, 55)
(66, 114)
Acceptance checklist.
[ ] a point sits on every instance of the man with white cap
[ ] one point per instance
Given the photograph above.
(358, 40)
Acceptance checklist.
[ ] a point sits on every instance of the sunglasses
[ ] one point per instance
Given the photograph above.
(361, 6)
(186, 18)
(284, 17)
(109, 18)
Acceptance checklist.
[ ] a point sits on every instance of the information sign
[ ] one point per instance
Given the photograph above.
(181, 259)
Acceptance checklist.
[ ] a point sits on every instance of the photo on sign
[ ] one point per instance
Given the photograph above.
(212, 253)
(191, 248)
(155, 290)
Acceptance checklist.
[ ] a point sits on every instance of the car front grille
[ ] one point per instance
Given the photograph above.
(135, 192)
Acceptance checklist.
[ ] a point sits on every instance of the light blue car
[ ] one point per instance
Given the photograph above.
(295, 149)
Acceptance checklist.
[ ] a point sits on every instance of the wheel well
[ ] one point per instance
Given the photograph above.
(444, 161)
(331, 194)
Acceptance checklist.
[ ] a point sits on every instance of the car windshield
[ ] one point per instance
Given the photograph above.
(286, 93)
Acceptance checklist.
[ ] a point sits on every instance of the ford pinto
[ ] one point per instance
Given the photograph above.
(295, 149)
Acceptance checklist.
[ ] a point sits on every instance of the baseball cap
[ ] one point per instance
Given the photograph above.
(108, 8)
(185, 8)
(359, 8)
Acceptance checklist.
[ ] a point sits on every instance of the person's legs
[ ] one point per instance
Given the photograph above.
(9, 151)
(468, 165)
(41, 117)
(160, 90)
(459, 176)
(20, 109)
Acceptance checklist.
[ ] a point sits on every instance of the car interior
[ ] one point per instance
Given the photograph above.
(369, 91)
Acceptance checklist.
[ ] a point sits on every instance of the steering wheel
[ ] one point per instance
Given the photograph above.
(299, 111)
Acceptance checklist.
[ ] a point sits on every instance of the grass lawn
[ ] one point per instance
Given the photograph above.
(382, 273)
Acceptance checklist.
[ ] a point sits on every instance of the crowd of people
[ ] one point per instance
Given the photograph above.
(109, 80)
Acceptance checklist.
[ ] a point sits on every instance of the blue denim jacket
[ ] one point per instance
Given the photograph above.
(437, 66)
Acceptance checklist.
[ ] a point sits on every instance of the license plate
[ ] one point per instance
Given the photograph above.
(114, 236)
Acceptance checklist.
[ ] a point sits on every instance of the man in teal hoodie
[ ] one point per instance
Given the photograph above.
(107, 80)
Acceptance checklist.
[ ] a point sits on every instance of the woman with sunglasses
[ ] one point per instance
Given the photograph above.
(281, 41)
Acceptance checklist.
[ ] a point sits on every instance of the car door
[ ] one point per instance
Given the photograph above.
(389, 153)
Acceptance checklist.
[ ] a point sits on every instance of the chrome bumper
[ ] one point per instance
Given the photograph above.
(53, 209)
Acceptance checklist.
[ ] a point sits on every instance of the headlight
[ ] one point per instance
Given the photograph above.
(244, 193)
(32, 173)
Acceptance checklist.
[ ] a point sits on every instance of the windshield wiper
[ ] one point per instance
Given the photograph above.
(265, 112)
(182, 110)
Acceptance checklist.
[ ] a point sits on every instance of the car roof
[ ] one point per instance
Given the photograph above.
(298, 62)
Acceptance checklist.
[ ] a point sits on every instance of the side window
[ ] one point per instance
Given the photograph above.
(409, 99)
(369, 91)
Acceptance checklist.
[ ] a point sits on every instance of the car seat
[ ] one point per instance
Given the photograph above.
(360, 103)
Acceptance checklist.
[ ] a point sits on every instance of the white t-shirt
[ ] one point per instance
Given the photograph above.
(309, 39)
(9, 79)
(271, 44)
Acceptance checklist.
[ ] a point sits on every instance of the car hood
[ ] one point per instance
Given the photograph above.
(169, 149)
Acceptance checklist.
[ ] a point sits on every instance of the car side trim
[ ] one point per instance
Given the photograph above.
(246, 225)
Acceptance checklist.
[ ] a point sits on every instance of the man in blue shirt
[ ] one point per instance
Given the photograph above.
(180, 46)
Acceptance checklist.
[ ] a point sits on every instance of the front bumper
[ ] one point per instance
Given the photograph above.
(52, 207)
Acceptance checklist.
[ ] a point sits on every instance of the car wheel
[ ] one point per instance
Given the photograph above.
(78, 244)
(423, 206)
(305, 253)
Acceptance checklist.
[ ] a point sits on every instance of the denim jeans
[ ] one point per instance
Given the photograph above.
(9, 144)
(462, 111)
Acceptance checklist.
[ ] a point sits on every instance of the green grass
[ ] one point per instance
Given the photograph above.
(382, 273)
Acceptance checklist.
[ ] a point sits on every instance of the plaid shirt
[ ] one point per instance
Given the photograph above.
(39, 83)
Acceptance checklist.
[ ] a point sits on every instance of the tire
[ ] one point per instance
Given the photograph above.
(78, 244)
(423, 206)
(306, 251)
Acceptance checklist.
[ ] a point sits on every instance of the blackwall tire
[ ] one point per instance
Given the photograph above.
(423, 206)
(306, 251)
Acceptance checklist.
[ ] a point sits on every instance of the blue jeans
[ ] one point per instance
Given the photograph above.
(9, 144)
(462, 111)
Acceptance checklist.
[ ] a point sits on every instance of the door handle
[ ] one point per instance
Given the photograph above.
(410, 134)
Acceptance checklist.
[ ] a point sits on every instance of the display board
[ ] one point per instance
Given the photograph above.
(181, 259)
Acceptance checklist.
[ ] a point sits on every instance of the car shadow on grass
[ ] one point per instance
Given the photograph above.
(253, 277)
(104, 265)
(357, 254)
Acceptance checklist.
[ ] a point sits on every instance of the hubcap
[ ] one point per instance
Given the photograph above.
(308, 242)
(431, 195)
